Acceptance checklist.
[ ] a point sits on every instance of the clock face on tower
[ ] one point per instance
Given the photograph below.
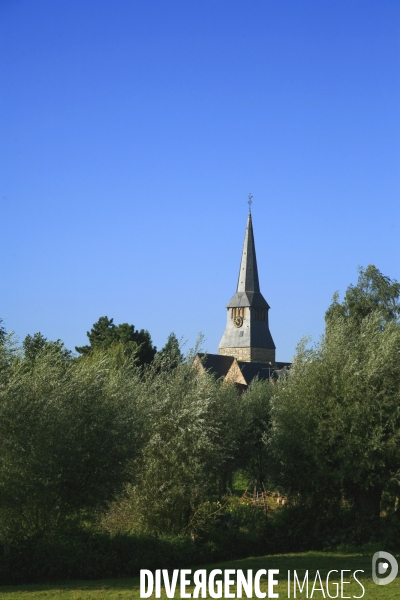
(238, 321)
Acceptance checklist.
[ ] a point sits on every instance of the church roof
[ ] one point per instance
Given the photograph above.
(248, 299)
(248, 273)
(250, 370)
(223, 366)
(217, 364)
(248, 287)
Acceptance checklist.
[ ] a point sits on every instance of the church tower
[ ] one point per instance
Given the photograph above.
(247, 336)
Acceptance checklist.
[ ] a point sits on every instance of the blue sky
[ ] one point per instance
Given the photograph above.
(131, 133)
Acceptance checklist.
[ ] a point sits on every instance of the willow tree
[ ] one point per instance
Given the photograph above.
(336, 416)
(68, 430)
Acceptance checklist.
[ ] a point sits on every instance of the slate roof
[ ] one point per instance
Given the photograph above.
(248, 287)
(248, 273)
(250, 370)
(282, 365)
(248, 299)
(218, 364)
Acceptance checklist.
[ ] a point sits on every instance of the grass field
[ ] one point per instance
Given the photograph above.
(312, 561)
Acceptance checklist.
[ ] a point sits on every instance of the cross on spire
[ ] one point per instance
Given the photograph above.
(250, 201)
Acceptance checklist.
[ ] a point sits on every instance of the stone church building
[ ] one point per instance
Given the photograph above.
(246, 349)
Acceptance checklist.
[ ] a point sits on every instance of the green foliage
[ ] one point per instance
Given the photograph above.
(172, 351)
(3, 332)
(105, 335)
(6, 351)
(127, 441)
(373, 292)
(254, 448)
(84, 554)
(67, 433)
(36, 344)
(336, 416)
(192, 427)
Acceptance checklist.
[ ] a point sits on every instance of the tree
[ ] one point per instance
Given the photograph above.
(9, 350)
(68, 431)
(3, 332)
(254, 448)
(336, 416)
(373, 292)
(36, 344)
(105, 334)
(190, 440)
(171, 352)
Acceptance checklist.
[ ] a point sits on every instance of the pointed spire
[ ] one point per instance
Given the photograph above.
(248, 274)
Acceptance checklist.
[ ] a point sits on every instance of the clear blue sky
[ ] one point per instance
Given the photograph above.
(131, 133)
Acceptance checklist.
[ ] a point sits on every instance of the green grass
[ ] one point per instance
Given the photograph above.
(129, 588)
(240, 483)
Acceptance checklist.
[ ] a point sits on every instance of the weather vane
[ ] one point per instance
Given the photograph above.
(250, 202)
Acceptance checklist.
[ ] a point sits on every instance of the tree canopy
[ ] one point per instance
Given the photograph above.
(155, 449)
(3, 332)
(105, 334)
(336, 416)
(172, 351)
(67, 432)
(373, 292)
(36, 344)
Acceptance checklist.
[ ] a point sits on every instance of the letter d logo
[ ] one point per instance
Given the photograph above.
(382, 567)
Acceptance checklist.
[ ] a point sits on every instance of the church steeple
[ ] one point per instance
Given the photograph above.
(248, 273)
(247, 336)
